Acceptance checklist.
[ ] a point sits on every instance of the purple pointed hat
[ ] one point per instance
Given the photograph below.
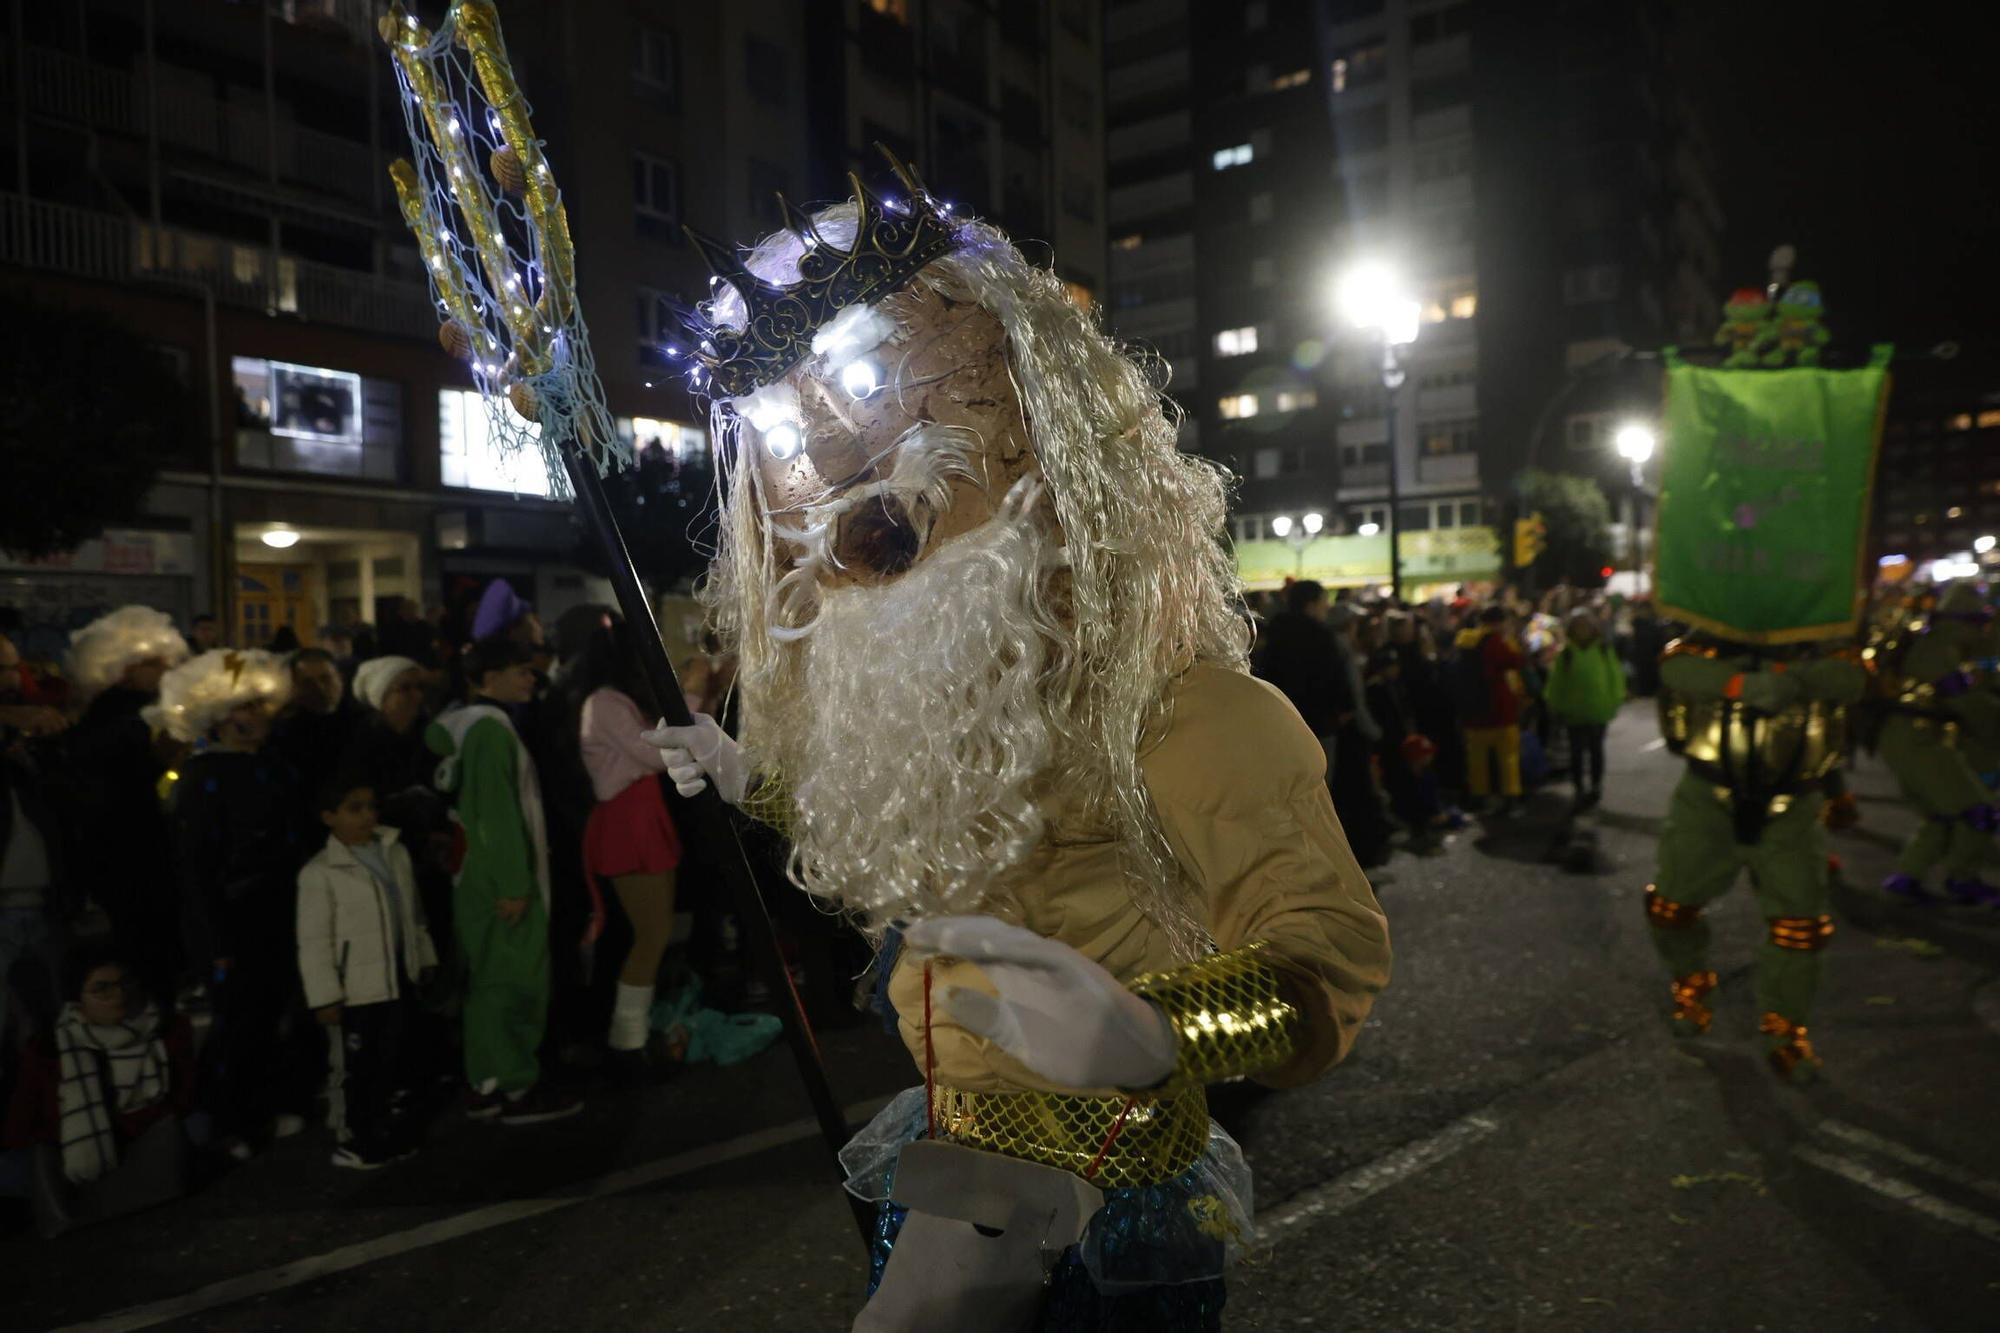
(500, 609)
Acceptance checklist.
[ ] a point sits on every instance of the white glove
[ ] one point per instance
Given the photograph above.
(699, 754)
(1057, 1012)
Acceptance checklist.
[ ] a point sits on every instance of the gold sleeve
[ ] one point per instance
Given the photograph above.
(1229, 1014)
(1240, 788)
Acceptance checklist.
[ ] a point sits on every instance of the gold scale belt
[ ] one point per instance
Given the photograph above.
(1156, 1139)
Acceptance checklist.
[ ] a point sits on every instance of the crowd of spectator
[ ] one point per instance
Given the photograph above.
(1434, 712)
(252, 890)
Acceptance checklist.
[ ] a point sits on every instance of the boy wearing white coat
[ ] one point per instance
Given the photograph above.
(363, 946)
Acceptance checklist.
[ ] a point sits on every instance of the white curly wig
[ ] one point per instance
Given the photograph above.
(1150, 589)
(195, 696)
(100, 652)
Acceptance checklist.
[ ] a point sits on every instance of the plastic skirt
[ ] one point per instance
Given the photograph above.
(632, 833)
(1183, 1233)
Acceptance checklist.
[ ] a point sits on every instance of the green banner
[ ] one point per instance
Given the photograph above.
(1765, 484)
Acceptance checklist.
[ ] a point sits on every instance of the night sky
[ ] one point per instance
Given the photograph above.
(1867, 141)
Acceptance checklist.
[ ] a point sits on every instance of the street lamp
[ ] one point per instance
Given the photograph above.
(1370, 296)
(1635, 442)
(1299, 535)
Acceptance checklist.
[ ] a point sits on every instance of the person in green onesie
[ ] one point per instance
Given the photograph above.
(1760, 730)
(1939, 734)
(500, 895)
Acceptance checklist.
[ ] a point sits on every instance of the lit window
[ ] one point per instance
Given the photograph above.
(1237, 406)
(898, 10)
(1297, 400)
(1236, 342)
(1464, 305)
(1132, 242)
(680, 442)
(482, 454)
(1340, 76)
(1297, 78)
(1434, 312)
(1989, 418)
(1963, 421)
(1954, 512)
(1236, 156)
(1079, 295)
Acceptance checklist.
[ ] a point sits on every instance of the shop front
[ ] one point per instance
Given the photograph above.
(1433, 561)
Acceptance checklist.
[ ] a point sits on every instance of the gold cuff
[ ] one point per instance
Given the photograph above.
(1229, 1015)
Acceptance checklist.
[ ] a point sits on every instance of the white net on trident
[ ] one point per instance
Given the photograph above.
(482, 202)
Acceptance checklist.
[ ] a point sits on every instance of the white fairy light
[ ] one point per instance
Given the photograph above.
(860, 378)
(782, 440)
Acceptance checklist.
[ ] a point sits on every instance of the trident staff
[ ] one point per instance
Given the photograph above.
(524, 336)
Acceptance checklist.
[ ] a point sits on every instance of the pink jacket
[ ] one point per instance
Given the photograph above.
(612, 751)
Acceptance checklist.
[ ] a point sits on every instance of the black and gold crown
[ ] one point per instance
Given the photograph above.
(893, 240)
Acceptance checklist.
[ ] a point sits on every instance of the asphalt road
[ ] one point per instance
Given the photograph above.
(1516, 1143)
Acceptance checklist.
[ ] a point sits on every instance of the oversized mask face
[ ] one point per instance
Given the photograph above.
(902, 431)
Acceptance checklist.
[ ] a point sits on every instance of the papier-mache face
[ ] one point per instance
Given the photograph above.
(901, 432)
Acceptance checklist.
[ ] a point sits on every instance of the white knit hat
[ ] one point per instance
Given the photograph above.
(197, 695)
(100, 652)
(373, 678)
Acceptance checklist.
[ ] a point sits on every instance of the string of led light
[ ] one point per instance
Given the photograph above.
(480, 199)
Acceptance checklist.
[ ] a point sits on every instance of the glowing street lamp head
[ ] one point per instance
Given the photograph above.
(1368, 529)
(1313, 522)
(1635, 441)
(280, 539)
(1371, 296)
(1282, 525)
(1983, 544)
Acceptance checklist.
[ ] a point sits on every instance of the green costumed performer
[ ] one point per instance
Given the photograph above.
(1765, 483)
(500, 894)
(1760, 735)
(1938, 735)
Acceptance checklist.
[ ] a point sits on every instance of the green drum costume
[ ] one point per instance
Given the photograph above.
(1760, 737)
(1768, 465)
(1939, 734)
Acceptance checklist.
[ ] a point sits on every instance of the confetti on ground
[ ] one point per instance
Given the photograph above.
(1910, 944)
(1755, 1183)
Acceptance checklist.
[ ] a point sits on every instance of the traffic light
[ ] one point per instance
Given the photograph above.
(1531, 538)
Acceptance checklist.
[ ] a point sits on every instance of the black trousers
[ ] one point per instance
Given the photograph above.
(1356, 798)
(1586, 751)
(368, 1067)
(262, 1051)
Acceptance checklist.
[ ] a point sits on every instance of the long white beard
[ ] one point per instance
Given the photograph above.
(921, 729)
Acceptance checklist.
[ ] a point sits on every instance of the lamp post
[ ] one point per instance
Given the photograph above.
(1299, 536)
(1371, 297)
(1635, 443)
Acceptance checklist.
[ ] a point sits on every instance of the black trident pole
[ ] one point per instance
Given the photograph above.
(713, 824)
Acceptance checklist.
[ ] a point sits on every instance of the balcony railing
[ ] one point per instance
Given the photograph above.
(59, 239)
(110, 100)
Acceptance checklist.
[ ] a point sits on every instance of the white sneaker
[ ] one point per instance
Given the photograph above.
(286, 1125)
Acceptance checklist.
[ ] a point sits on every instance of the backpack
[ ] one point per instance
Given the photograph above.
(1465, 684)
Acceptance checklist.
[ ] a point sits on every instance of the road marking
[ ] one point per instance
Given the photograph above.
(1901, 1191)
(1364, 1182)
(229, 1291)
(1935, 1166)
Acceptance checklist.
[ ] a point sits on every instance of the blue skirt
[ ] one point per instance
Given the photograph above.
(1152, 1257)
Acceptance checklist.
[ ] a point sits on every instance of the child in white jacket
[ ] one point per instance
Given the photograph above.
(363, 946)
